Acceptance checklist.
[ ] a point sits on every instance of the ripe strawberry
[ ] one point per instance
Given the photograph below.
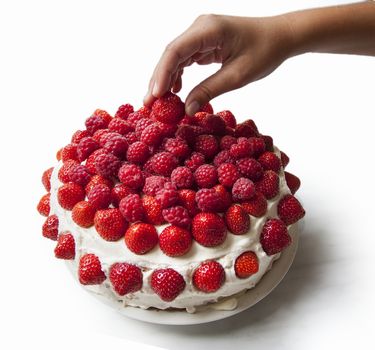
(209, 229)
(225, 197)
(131, 176)
(46, 179)
(274, 236)
(99, 196)
(243, 189)
(268, 184)
(209, 276)
(163, 163)
(65, 248)
(64, 171)
(207, 145)
(168, 109)
(270, 161)
(284, 159)
(90, 270)
(187, 200)
(85, 147)
(256, 206)
(96, 180)
(70, 194)
(167, 284)
(83, 214)
(110, 224)
(290, 210)
(125, 278)
(131, 208)
(140, 238)
(246, 265)
(237, 220)
(43, 206)
(119, 192)
(69, 152)
(293, 182)
(124, 111)
(50, 227)
(58, 154)
(153, 210)
(206, 176)
(175, 241)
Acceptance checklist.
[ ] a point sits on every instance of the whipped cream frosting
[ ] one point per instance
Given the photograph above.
(89, 241)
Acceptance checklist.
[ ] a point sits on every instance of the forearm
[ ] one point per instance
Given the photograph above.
(347, 29)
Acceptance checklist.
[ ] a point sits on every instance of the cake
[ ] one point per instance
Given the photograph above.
(156, 209)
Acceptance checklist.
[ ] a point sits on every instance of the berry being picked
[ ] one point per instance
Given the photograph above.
(46, 179)
(178, 216)
(175, 241)
(246, 265)
(209, 229)
(290, 210)
(140, 238)
(256, 206)
(43, 206)
(69, 194)
(83, 214)
(237, 220)
(292, 181)
(163, 163)
(270, 161)
(168, 109)
(131, 175)
(90, 270)
(206, 176)
(268, 185)
(182, 177)
(50, 227)
(125, 278)
(131, 208)
(153, 210)
(274, 236)
(209, 276)
(243, 189)
(65, 248)
(228, 174)
(110, 224)
(100, 196)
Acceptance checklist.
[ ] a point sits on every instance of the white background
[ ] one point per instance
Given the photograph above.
(60, 60)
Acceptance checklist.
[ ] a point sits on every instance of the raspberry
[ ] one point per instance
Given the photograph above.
(153, 184)
(209, 276)
(167, 196)
(69, 152)
(152, 135)
(138, 152)
(131, 137)
(208, 229)
(46, 179)
(125, 278)
(144, 111)
(252, 124)
(140, 238)
(124, 111)
(241, 149)
(99, 134)
(110, 224)
(284, 159)
(104, 114)
(237, 220)
(293, 182)
(177, 147)
(85, 147)
(153, 210)
(168, 130)
(228, 118)
(90, 270)
(187, 200)
(117, 145)
(207, 108)
(95, 123)
(244, 130)
(168, 109)
(246, 265)
(206, 176)
(83, 214)
(120, 126)
(134, 117)
(256, 206)
(79, 175)
(99, 196)
(274, 237)
(175, 241)
(207, 145)
(195, 161)
(228, 174)
(208, 200)
(90, 161)
(64, 171)
(131, 208)
(97, 179)
(186, 133)
(270, 161)
(258, 146)
(250, 168)
(213, 124)
(43, 206)
(268, 141)
(50, 227)
(79, 135)
(107, 165)
(290, 210)
(119, 192)
(69, 194)
(223, 157)
(163, 163)
(131, 175)
(199, 117)
(178, 216)
(243, 189)
(58, 154)
(182, 177)
(227, 141)
(167, 284)
(65, 248)
(141, 125)
(268, 184)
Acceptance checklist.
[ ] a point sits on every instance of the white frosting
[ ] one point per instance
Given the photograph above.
(89, 241)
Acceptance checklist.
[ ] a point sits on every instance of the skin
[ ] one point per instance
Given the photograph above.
(250, 48)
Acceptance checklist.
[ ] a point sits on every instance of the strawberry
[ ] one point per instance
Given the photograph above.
(256, 206)
(168, 109)
(50, 227)
(268, 185)
(140, 238)
(96, 180)
(83, 214)
(187, 199)
(225, 197)
(119, 192)
(64, 171)
(274, 236)
(246, 265)
(293, 182)
(69, 194)
(209, 229)
(46, 179)
(90, 270)
(110, 224)
(43, 206)
(237, 220)
(175, 241)
(69, 152)
(284, 159)
(125, 278)
(209, 276)
(65, 248)
(153, 210)
(103, 114)
(290, 210)
(167, 284)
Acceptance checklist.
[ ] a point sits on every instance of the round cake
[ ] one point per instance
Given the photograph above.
(156, 209)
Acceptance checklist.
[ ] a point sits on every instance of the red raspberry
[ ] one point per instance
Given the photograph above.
(120, 126)
(107, 165)
(131, 137)
(243, 189)
(152, 135)
(98, 134)
(292, 181)
(100, 196)
(237, 220)
(119, 192)
(268, 184)
(186, 133)
(168, 109)
(79, 135)
(208, 229)
(177, 147)
(182, 177)
(207, 145)
(246, 265)
(290, 210)
(104, 114)
(131, 175)
(85, 147)
(110, 224)
(65, 248)
(167, 196)
(227, 141)
(244, 130)
(125, 278)
(63, 173)
(43, 206)
(97, 179)
(284, 159)
(79, 175)
(258, 146)
(213, 124)
(178, 216)
(268, 142)
(134, 117)
(83, 214)
(274, 237)
(175, 241)
(270, 161)
(250, 168)
(117, 145)
(105, 137)
(58, 154)
(256, 206)
(167, 284)
(91, 160)
(228, 118)
(223, 157)
(195, 161)
(90, 270)
(153, 210)
(228, 174)
(131, 208)
(69, 152)
(209, 276)
(153, 184)
(187, 120)
(124, 111)
(69, 194)
(140, 238)
(241, 149)
(208, 200)
(138, 153)
(252, 124)
(187, 200)
(141, 125)
(144, 111)
(95, 123)
(46, 179)
(225, 197)
(168, 130)
(163, 163)
(207, 108)
(50, 227)
(199, 117)
(206, 176)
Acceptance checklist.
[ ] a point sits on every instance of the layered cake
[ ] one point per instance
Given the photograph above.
(156, 209)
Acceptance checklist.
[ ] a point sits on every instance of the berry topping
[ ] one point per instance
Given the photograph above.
(69, 152)
(284, 159)
(228, 174)
(163, 163)
(65, 248)
(43, 206)
(140, 238)
(243, 189)
(206, 176)
(46, 179)
(106, 164)
(268, 184)
(167, 284)
(153, 184)
(208, 229)
(208, 199)
(168, 109)
(167, 196)
(64, 171)
(182, 177)
(270, 161)
(246, 265)
(274, 236)
(256, 206)
(70, 194)
(175, 241)
(83, 214)
(131, 208)
(178, 216)
(86, 146)
(110, 224)
(187, 200)
(237, 220)
(97, 179)
(100, 196)
(50, 227)
(79, 175)
(250, 168)
(290, 210)
(153, 210)
(125, 278)
(131, 175)
(292, 181)
(209, 276)
(90, 270)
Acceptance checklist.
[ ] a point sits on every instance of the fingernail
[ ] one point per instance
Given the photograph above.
(155, 89)
(192, 108)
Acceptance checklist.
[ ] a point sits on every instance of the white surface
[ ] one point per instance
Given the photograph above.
(61, 60)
